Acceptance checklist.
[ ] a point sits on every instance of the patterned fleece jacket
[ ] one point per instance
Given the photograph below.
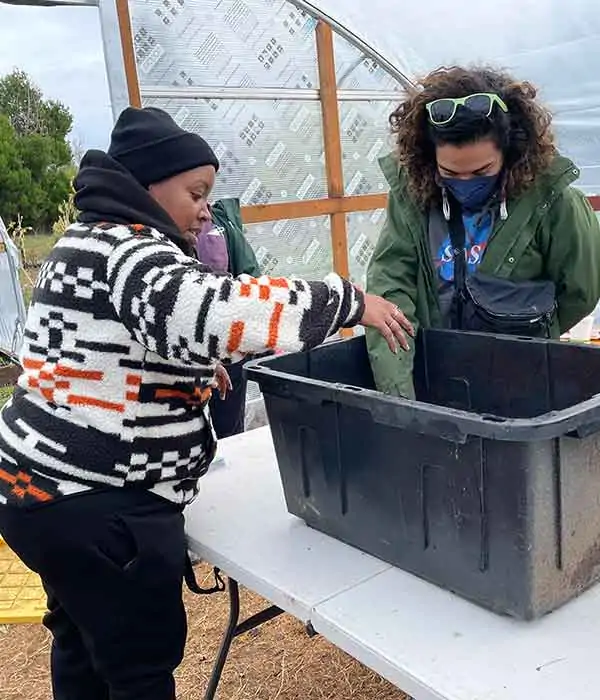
(121, 342)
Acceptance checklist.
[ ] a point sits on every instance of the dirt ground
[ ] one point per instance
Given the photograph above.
(276, 662)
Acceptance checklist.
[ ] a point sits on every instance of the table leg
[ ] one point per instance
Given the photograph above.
(234, 629)
(234, 616)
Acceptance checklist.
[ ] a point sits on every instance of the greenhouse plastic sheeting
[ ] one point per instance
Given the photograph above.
(553, 44)
(12, 305)
(272, 150)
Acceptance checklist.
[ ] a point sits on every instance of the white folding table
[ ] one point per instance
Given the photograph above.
(430, 643)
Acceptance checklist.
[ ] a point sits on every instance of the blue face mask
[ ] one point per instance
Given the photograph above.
(473, 193)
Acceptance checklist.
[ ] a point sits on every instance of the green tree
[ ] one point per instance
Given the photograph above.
(35, 154)
(15, 180)
(29, 113)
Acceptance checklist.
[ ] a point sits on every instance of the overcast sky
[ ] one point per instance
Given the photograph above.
(61, 49)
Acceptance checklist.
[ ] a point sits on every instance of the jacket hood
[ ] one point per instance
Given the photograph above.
(105, 191)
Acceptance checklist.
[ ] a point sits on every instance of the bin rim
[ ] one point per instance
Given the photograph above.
(453, 424)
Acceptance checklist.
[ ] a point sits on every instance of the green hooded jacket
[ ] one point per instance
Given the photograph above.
(551, 233)
(226, 213)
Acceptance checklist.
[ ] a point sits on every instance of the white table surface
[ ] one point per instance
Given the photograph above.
(436, 646)
(240, 523)
(428, 642)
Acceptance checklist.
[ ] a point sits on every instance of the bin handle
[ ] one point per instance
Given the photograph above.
(585, 430)
(350, 387)
(492, 418)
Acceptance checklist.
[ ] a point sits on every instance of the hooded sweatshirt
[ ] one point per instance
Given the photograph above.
(121, 342)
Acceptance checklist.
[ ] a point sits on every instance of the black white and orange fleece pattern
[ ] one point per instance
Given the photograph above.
(121, 343)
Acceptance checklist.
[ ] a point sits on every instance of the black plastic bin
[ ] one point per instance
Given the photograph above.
(489, 485)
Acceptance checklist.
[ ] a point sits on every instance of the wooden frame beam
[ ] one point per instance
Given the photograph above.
(306, 208)
(332, 144)
(133, 85)
(313, 207)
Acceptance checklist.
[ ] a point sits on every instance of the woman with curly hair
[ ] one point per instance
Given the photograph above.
(484, 231)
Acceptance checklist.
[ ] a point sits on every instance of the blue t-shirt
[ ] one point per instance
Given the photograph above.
(478, 228)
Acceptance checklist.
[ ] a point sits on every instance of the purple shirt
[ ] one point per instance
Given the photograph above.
(211, 248)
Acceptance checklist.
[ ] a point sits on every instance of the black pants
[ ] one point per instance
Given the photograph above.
(228, 416)
(112, 564)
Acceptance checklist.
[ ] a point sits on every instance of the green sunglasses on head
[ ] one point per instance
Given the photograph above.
(443, 111)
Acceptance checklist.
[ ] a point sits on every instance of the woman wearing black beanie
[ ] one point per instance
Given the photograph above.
(107, 434)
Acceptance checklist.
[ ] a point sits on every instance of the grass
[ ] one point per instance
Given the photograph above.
(5, 393)
(37, 248)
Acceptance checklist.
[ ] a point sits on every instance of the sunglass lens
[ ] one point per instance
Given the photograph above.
(481, 104)
(441, 111)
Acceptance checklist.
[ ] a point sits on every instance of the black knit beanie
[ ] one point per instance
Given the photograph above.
(153, 147)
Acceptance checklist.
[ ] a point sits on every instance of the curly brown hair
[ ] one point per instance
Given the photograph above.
(524, 135)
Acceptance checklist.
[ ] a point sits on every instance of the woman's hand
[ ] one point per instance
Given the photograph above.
(222, 381)
(387, 318)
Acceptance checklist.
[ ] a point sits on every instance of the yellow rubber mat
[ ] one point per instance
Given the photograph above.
(22, 598)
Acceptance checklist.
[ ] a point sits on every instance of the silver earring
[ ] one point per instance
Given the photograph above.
(503, 209)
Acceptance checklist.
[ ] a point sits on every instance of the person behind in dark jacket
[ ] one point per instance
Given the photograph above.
(476, 154)
(222, 246)
(107, 433)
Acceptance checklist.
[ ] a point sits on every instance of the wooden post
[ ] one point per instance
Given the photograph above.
(333, 149)
(332, 144)
(133, 85)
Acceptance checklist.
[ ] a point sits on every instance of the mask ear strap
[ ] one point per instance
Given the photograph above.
(445, 200)
(503, 207)
(445, 204)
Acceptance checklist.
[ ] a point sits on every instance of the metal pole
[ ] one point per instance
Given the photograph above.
(257, 93)
(113, 56)
(17, 331)
(229, 93)
(351, 38)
